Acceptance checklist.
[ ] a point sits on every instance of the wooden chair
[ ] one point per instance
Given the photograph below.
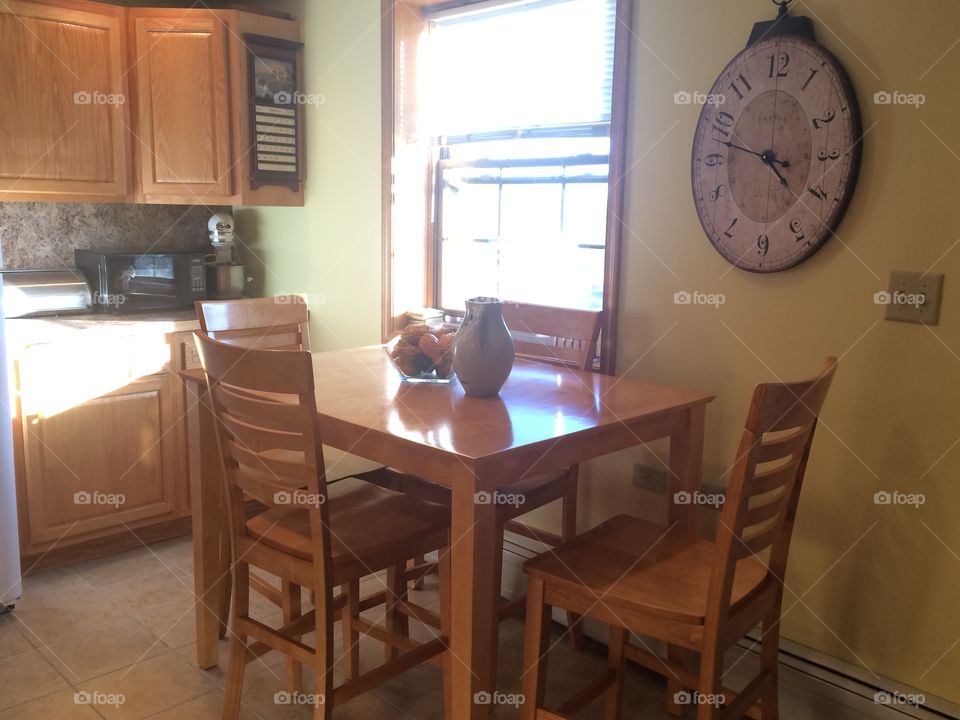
(697, 595)
(270, 444)
(281, 323)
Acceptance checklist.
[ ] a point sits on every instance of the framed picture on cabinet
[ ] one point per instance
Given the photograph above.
(275, 112)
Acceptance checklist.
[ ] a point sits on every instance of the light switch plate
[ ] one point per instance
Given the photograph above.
(913, 297)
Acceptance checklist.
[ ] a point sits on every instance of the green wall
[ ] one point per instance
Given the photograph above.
(330, 248)
(874, 585)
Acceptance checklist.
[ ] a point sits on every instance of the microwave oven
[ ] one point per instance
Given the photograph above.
(123, 282)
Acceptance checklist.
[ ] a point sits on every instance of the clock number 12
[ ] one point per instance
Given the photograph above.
(779, 68)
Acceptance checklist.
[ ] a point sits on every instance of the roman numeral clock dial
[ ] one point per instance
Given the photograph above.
(776, 153)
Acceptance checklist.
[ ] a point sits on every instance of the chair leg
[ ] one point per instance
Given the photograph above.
(614, 695)
(446, 628)
(709, 688)
(323, 668)
(682, 656)
(292, 609)
(237, 662)
(535, 643)
(350, 660)
(568, 533)
(396, 621)
(769, 660)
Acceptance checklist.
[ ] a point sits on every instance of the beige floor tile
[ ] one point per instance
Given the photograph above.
(27, 676)
(101, 648)
(152, 686)
(12, 641)
(178, 551)
(272, 660)
(260, 697)
(116, 568)
(55, 618)
(61, 705)
(173, 623)
(205, 707)
(52, 584)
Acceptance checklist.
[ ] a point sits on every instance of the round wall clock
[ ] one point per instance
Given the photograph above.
(777, 152)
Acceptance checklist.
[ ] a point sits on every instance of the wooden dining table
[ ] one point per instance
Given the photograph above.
(545, 418)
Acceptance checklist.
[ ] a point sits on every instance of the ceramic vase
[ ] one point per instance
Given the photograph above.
(483, 349)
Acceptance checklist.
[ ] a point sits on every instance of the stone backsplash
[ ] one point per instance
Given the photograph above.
(44, 235)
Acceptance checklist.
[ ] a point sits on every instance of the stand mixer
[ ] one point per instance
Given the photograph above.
(226, 278)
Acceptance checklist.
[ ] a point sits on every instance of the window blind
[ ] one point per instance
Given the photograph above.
(521, 65)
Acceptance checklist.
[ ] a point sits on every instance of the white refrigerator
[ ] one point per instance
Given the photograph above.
(10, 587)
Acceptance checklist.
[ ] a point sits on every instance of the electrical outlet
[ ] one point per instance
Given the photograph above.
(912, 297)
(650, 479)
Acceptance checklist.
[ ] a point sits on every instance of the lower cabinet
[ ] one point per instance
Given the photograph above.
(100, 463)
(107, 464)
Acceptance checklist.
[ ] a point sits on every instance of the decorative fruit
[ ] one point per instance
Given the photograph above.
(430, 346)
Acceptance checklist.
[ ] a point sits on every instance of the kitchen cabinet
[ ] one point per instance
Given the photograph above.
(148, 105)
(100, 441)
(182, 98)
(110, 462)
(63, 116)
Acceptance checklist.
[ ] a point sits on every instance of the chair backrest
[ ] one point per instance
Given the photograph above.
(764, 491)
(269, 323)
(268, 435)
(562, 336)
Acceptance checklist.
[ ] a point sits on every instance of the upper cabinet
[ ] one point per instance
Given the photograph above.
(179, 70)
(63, 116)
(141, 105)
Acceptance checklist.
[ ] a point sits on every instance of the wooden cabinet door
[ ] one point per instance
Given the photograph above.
(63, 109)
(105, 464)
(182, 115)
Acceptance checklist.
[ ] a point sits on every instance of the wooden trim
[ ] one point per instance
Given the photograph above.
(619, 108)
(387, 147)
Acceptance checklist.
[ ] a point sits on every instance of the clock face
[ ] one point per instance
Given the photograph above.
(776, 154)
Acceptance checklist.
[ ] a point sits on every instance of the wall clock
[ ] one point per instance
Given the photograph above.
(777, 149)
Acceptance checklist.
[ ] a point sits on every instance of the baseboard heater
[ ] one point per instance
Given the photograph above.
(814, 686)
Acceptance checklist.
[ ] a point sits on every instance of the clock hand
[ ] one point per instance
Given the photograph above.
(783, 180)
(767, 157)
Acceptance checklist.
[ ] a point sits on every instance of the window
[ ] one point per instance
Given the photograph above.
(520, 101)
(518, 123)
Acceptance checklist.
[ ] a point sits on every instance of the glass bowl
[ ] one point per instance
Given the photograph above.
(416, 366)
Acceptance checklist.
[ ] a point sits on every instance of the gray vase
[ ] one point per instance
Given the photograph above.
(483, 348)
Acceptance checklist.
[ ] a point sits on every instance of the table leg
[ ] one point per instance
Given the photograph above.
(474, 545)
(686, 468)
(209, 572)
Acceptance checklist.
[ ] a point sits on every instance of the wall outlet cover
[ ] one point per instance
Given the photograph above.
(912, 297)
(650, 479)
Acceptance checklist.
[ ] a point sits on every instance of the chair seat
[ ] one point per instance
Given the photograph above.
(643, 568)
(367, 526)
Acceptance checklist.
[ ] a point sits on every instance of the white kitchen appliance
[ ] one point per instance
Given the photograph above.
(226, 276)
(10, 587)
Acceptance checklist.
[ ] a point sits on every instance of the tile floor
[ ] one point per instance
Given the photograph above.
(120, 629)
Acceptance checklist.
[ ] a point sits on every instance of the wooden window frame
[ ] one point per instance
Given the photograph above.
(401, 20)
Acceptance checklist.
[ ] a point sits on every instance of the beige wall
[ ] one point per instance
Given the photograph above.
(876, 586)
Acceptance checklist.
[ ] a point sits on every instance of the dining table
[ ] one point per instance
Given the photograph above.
(545, 418)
